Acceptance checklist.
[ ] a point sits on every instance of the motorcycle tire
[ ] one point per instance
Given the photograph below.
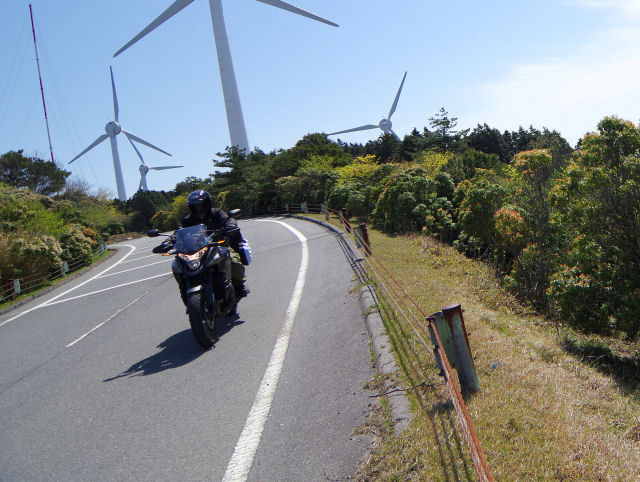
(203, 329)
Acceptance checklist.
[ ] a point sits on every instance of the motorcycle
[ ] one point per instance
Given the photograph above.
(202, 267)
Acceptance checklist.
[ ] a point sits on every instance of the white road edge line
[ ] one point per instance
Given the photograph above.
(108, 319)
(133, 248)
(245, 450)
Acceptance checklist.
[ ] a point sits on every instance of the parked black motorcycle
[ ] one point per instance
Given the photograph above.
(202, 267)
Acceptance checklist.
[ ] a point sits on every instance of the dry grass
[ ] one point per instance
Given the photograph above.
(542, 413)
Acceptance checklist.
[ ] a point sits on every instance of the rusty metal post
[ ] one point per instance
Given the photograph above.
(436, 348)
(464, 360)
(345, 217)
(365, 238)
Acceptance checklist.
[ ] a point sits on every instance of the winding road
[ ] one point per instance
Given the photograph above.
(101, 378)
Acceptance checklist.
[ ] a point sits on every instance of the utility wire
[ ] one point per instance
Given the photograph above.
(13, 74)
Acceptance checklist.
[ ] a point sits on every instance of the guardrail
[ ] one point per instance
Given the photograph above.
(442, 334)
(430, 327)
(20, 286)
(292, 208)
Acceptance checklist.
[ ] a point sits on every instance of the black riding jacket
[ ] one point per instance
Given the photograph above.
(217, 219)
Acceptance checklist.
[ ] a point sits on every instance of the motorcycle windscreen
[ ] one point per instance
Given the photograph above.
(192, 239)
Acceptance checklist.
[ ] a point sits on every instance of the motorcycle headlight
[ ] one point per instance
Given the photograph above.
(193, 265)
(193, 260)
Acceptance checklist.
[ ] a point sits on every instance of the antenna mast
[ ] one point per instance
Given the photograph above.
(44, 105)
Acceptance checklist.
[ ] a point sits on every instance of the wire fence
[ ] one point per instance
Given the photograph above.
(420, 323)
(20, 286)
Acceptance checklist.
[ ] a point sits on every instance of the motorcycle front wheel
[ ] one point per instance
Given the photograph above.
(203, 324)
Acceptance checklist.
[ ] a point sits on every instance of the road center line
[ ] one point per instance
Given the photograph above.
(108, 319)
(107, 289)
(133, 248)
(133, 269)
(245, 450)
(141, 257)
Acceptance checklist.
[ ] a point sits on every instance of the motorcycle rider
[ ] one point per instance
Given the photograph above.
(202, 212)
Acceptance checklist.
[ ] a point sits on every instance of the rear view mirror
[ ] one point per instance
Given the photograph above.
(153, 232)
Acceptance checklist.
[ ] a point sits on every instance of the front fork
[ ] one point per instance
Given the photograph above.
(186, 289)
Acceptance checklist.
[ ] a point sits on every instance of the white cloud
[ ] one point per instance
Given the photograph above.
(570, 94)
(627, 7)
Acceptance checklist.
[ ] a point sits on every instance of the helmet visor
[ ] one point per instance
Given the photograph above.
(199, 209)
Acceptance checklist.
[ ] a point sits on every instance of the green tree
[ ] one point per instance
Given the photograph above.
(446, 137)
(478, 203)
(403, 192)
(598, 202)
(143, 206)
(531, 185)
(42, 177)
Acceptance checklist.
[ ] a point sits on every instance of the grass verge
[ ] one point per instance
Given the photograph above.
(554, 404)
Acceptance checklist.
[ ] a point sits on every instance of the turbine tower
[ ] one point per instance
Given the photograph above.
(112, 129)
(235, 119)
(385, 123)
(144, 169)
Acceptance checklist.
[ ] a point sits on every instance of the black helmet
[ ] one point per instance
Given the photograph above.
(199, 203)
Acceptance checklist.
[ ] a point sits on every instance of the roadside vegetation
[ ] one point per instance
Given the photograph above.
(555, 404)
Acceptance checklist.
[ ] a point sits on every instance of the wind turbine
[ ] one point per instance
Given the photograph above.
(144, 169)
(112, 129)
(385, 123)
(235, 119)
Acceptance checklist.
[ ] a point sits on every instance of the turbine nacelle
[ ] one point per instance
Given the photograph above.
(144, 169)
(385, 124)
(113, 128)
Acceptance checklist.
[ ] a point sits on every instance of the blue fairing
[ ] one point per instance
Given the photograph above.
(192, 239)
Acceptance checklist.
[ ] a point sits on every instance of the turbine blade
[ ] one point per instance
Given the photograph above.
(136, 149)
(361, 128)
(299, 11)
(95, 143)
(115, 97)
(164, 167)
(132, 137)
(391, 130)
(174, 8)
(395, 102)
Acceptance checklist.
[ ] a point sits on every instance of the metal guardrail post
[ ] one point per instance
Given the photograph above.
(365, 238)
(65, 268)
(325, 211)
(303, 208)
(464, 360)
(345, 218)
(444, 332)
(436, 348)
(362, 238)
(16, 288)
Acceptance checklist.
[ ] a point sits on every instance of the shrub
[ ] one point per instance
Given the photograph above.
(75, 245)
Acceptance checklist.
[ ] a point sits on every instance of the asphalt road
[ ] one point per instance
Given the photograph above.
(101, 378)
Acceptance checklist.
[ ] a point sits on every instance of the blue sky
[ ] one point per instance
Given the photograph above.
(561, 64)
